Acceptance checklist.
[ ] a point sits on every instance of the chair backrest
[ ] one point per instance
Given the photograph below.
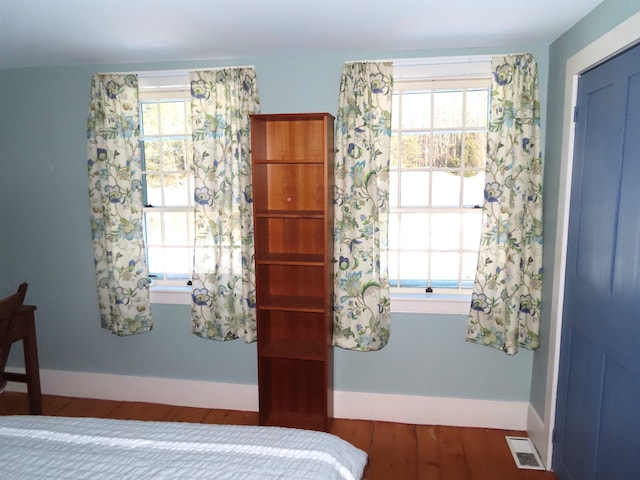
(14, 301)
(8, 308)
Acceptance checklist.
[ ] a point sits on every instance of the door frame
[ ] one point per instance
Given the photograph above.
(616, 40)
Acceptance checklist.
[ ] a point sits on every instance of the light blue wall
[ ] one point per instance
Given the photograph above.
(6, 286)
(43, 193)
(602, 19)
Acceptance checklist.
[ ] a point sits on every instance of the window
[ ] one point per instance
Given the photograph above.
(438, 155)
(165, 137)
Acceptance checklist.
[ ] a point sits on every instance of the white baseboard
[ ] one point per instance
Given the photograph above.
(538, 434)
(509, 415)
(170, 391)
(460, 412)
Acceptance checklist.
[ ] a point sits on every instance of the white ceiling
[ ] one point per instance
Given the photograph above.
(71, 32)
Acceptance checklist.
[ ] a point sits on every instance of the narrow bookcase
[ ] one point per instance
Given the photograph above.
(292, 168)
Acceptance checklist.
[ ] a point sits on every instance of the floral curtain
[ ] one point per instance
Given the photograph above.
(505, 306)
(362, 138)
(115, 194)
(224, 295)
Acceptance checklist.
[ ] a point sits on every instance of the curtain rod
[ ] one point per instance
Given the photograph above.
(170, 73)
(415, 61)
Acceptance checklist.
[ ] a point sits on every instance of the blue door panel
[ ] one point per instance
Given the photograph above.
(619, 442)
(579, 422)
(626, 285)
(594, 242)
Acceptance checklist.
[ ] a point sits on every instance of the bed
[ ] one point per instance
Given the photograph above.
(39, 447)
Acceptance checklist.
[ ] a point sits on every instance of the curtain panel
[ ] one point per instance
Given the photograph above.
(115, 194)
(362, 138)
(505, 305)
(224, 295)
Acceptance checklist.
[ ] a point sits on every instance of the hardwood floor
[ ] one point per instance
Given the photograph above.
(396, 451)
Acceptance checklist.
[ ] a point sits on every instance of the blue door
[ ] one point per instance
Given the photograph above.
(597, 434)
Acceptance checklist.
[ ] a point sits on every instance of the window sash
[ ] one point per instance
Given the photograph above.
(168, 216)
(405, 254)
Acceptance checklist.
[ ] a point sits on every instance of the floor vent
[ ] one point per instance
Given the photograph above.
(524, 453)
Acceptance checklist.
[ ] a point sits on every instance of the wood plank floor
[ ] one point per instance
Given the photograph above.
(396, 451)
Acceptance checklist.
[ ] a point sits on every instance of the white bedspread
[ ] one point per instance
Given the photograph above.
(36, 447)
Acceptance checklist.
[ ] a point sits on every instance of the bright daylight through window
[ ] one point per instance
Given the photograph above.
(168, 182)
(438, 154)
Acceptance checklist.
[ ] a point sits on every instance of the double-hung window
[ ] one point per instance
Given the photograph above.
(438, 157)
(165, 136)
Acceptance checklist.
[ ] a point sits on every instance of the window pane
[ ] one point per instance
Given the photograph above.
(393, 231)
(155, 261)
(415, 150)
(154, 190)
(192, 223)
(172, 118)
(469, 267)
(477, 108)
(447, 109)
(475, 150)
(149, 121)
(393, 269)
(174, 155)
(153, 228)
(393, 162)
(393, 189)
(447, 147)
(176, 190)
(414, 269)
(151, 155)
(178, 262)
(416, 110)
(414, 189)
(446, 189)
(395, 112)
(414, 231)
(176, 229)
(471, 224)
(473, 189)
(444, 270)
(445, 231)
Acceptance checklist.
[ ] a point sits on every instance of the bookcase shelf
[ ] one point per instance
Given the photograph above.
(290, 303)
(300, 214)
(292, 168)
(309, 259)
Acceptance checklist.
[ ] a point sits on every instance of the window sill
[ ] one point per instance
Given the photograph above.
(433, 303)
(400, 302)
(171, 295)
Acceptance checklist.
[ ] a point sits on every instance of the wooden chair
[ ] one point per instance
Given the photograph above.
(17, 322)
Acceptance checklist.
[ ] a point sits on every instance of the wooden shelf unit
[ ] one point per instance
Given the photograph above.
(292, 169)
